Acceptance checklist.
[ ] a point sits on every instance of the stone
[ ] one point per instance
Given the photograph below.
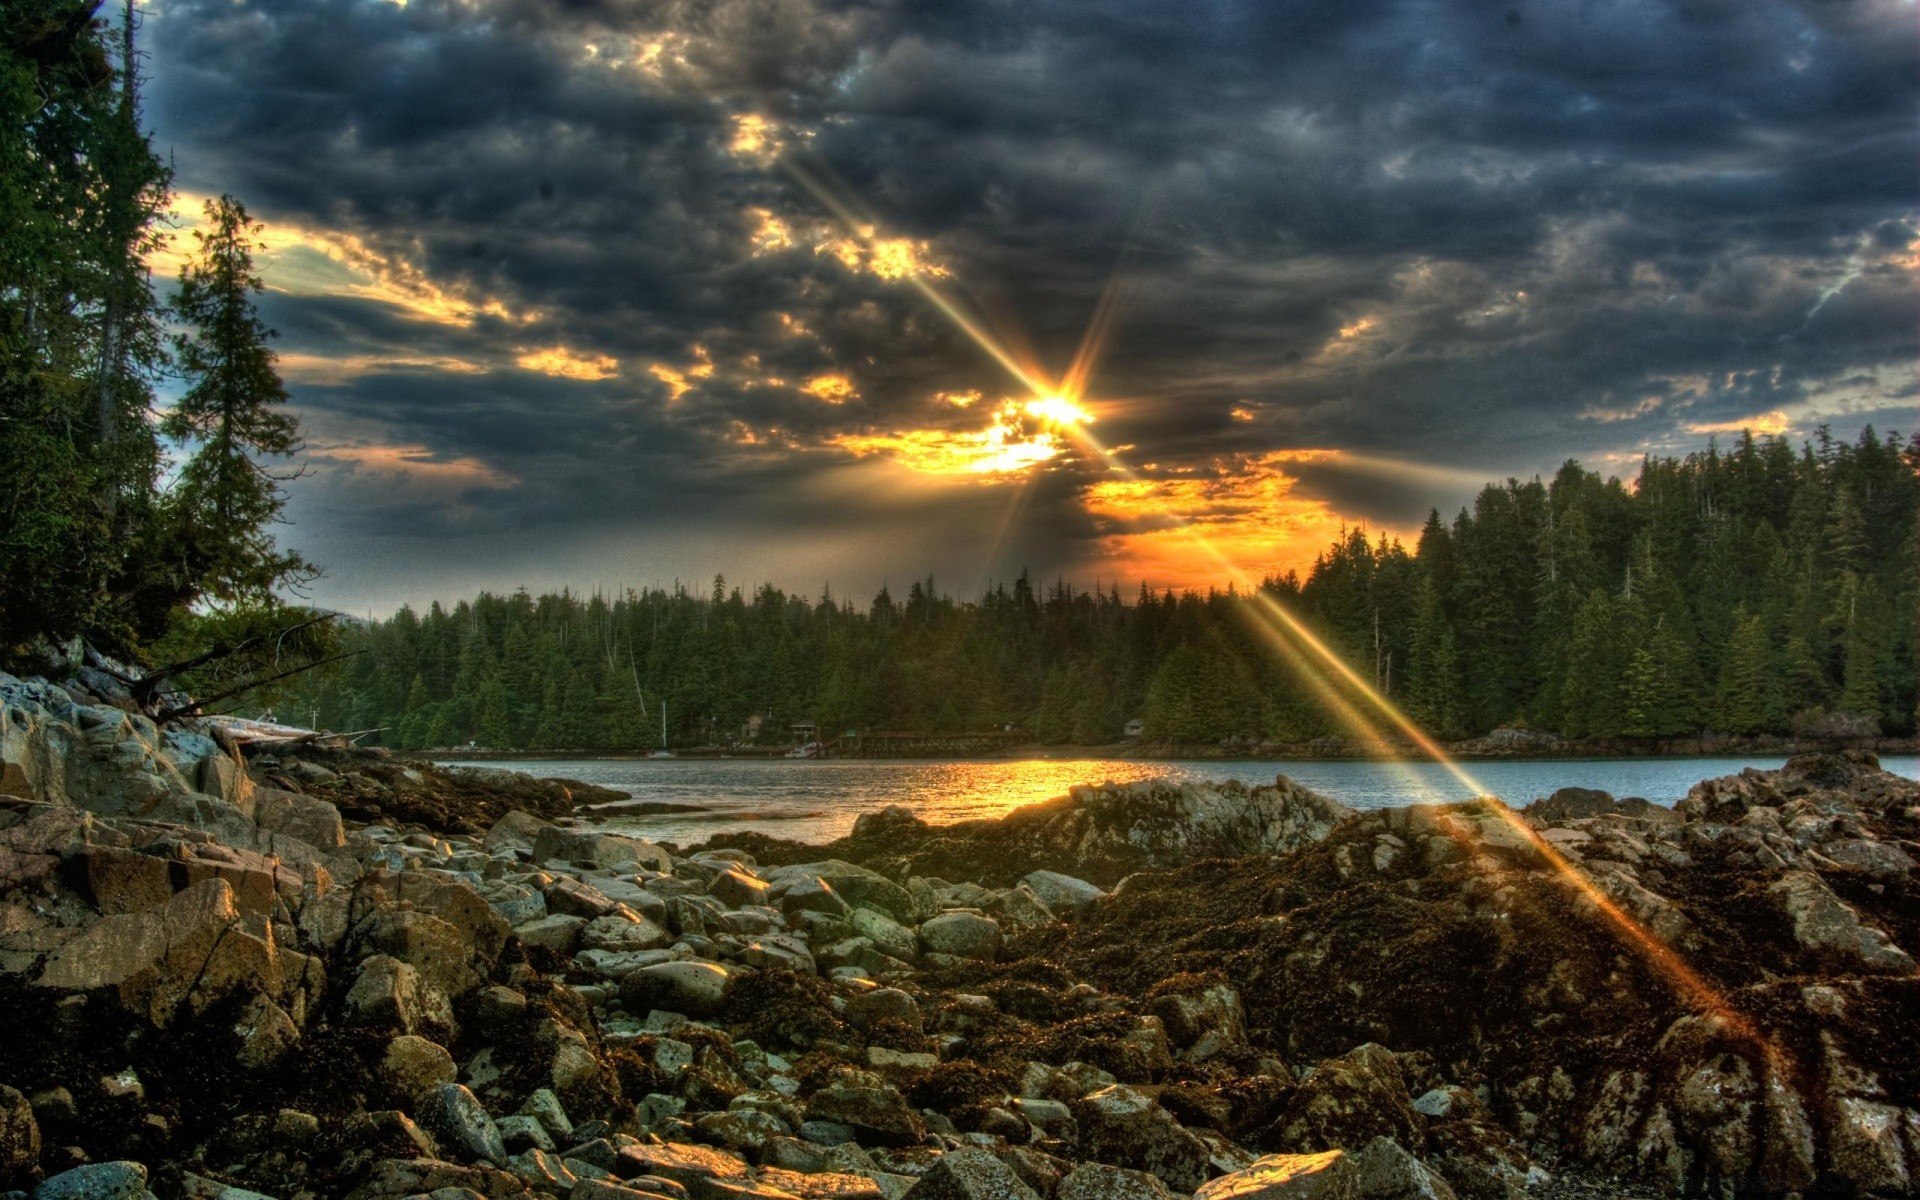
(1828, 929)
(390, 994)
(1382, 1170)
(856, 885)
(963, 935)
(688, 1165)
(545, 1107)
(96, 1181)
(1063, 893)
(577, 898)
(820, 1185)
(266, 1034)
(1098, 1181)
(19, 1134)
(1349, 1100)
(623, 932)
(520, 1132)
(304, 818)
(867, 1105)
(458, 1119)
(1202, 1023)
(515, 830)
(810, 894)
(697, 989)
(557, 931)
(1128, 1128)
(413, 1066)
(435, 948)
(888, 936)
(600, 849)
(195, 950)
(737, 888)
(970, 1173)
(883, 1004)
(542, 1171)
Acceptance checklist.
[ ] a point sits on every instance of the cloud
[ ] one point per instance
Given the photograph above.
(560, 242)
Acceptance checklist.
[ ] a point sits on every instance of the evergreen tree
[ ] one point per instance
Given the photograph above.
(227, 499)
(1433, 688)
(1747, 697)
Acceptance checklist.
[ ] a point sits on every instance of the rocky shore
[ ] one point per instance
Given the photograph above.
(231, 971)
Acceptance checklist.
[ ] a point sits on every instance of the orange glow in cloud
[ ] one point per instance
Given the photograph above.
(1766, 424)
(414, 465)
(1015, 439)
(1246, 506)
(569, 364)
(833, 389)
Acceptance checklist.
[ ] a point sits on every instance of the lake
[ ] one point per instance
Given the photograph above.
(817, 801)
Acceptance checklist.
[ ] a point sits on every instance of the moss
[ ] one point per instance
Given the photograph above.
(955, 1085)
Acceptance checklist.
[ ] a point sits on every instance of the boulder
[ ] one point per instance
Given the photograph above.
(515, 830)
(1124, 1127)
(96, 1181)
(970, 1173)
(600, 849)
(689, 1166)
(1382, 1170)
(1063, 893)
(887, 935)
(1830, 931)
(867, 1105)
(737, 888)
(1098, 1181)
(304, 818)
(856, 885)
(195, 950)
(697, 989)
(1347, 1101)
(413, 1066)
(963, 935)
(19, 1135)
(390, 994)
(461, 1123)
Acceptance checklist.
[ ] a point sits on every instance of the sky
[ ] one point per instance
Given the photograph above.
(612, 293)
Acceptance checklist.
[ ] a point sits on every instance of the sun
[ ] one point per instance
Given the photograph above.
(1056, 409)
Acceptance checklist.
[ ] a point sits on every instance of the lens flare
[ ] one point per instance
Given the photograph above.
(1329, 676)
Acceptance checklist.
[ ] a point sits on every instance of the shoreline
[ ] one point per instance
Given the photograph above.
(1473, 751)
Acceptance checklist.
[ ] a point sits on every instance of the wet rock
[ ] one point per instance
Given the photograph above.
(867, 1105)
(697, 989)
(856, 885)
(1063, 893)
(1098, 1181)
(390, 994)
(1348, 1100)
(459, 1120)
(193, 951)
(598, 849)
(737, 889)
(19, 1135)
(888, 936)
(970, 1174)
(413, 1066)
(1128, 1128)
(96, 1181)
(1828, 929)
(963, 935)
(1382, 1170)
(557, 931)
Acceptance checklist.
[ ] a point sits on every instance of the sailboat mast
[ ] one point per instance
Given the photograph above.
(663, 724)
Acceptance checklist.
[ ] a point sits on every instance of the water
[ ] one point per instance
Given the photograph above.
(818, 801)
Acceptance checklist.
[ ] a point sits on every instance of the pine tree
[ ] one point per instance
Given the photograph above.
(1433, 686)
(226, 499)
(1746, 699)
(1659, 701)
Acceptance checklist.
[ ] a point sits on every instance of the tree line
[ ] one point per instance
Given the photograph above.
(136, 422)
(1760, 589)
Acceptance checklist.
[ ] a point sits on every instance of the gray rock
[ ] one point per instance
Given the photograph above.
(414, 1066)
(1128, 1128)
(556, 932)
(1063, 893)
(462, 1123)
(1829, 929)
(970, 1174)
(520, 1132)
(887, 935)
(601, 849)
(738, 888)
(871, 1106)
(1098, 1181)
(96, 1181)
(697, 989)
(962, 935)
(19, 1133)
(546, 1108)
(1382, 1170)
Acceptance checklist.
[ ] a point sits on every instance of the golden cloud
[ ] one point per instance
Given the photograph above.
(569, 364)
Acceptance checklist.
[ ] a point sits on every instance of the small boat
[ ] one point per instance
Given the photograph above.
(663, 752)
(810, 750)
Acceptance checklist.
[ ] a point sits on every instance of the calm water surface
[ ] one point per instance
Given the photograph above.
(818, 801)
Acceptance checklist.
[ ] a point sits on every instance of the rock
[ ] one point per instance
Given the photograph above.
(435, 948)
(195, 950)
(515, 831)
(391, 995)
(883, 1004)
(542, 1171)
(19, 1135)
(1347, 1101)
(1098, 1181)
(697, 989)
(865, 1104)
(303, 818)
(1063, 893)
(1383, 1170)
(414, 1066)
(96, 1181)
(555, 932)
(520, 1132)
(600, 849)
(962, 935)
(970, 1174)
(1830, 930)
(623, 932)
(266, 1034)
(1201, 1021)
(691, 1167)
(887, 935)
(577, 898)
(810, 894)
(1127, 1128)
(856, 885)
(460, 1122)
(737, 889)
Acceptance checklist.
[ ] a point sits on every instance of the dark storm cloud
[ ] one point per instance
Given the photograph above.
(1485, 235)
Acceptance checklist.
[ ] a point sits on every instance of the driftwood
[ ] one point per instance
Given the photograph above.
(188, 709)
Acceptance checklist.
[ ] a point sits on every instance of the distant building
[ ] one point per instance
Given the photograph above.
(804, 732)
(1136, 727)
(755, 725)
